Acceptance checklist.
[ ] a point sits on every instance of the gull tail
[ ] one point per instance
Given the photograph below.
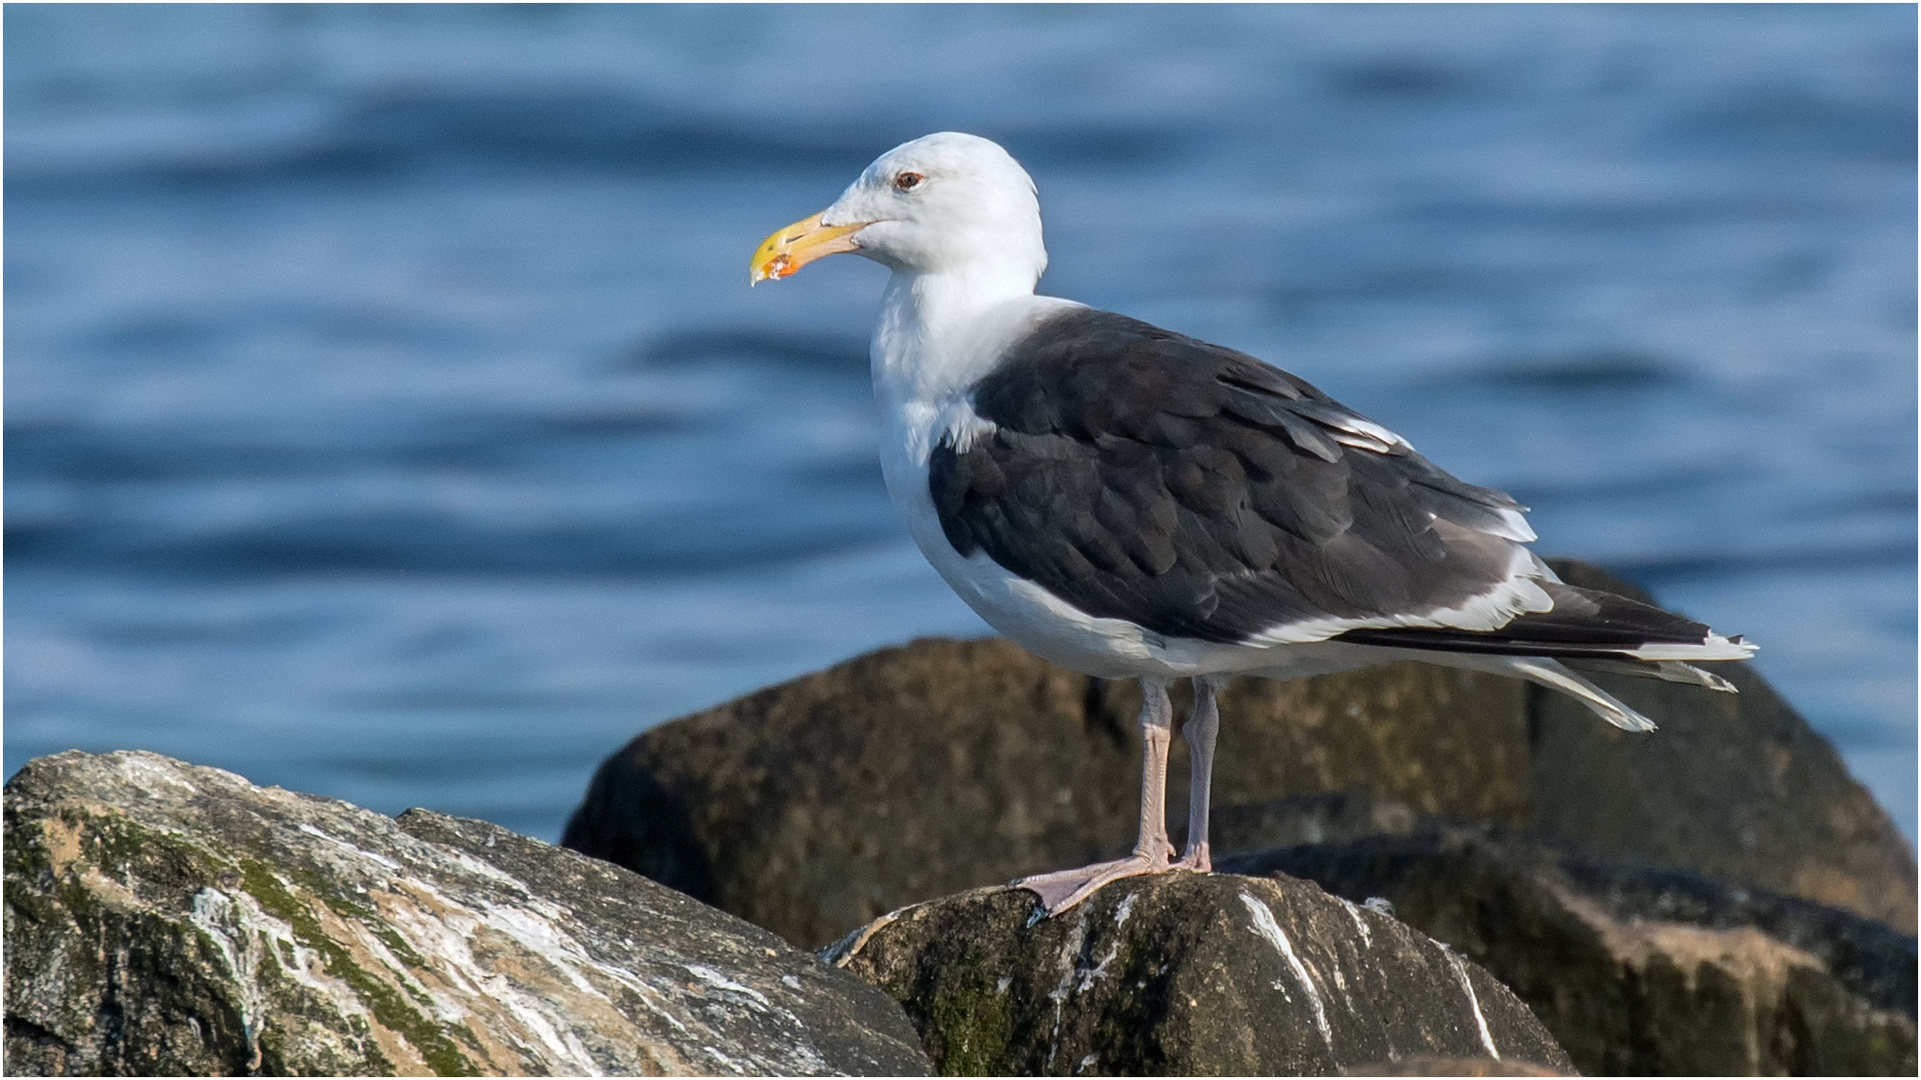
(1585, 631)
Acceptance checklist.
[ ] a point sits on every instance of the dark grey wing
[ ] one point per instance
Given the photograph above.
(1139, 474)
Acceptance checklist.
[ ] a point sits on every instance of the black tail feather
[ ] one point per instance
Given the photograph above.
(1583, 623)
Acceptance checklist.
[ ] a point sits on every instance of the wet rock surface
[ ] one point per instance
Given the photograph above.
(1638, 971)
(1187, 974)
(168, 918)
(814, 806)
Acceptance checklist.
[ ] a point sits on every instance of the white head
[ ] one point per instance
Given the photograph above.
(945, 203)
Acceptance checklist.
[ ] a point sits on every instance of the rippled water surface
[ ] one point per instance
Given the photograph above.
(387, 415)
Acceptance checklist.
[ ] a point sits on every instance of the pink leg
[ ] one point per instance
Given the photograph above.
(1202, 726)
(1065, 888)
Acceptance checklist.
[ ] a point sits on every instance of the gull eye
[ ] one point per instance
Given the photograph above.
(908, 181)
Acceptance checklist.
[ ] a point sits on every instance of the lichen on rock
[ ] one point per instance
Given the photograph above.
(169, 918)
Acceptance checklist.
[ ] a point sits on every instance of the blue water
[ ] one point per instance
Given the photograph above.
(387, 414)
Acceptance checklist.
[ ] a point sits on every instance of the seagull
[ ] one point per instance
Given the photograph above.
(1129, 502)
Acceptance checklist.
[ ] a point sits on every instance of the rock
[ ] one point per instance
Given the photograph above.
(812, 807)
(167, 918)
(1427, 1065)
(1736, 787)
(815, 806)
(1436, 740)
(1308, 819)
(1183, 974)
(1638, 971)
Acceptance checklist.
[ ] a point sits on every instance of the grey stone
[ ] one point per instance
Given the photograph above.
(1638, 971)
(1184, 974)
(167, 918)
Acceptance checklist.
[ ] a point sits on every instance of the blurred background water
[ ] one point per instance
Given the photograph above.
(387, 415)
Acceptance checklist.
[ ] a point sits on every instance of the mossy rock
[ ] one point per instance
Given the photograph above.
(163, 918)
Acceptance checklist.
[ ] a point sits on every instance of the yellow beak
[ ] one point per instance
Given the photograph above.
(798, 244)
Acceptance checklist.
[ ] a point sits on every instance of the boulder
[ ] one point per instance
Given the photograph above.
(1308, 819)
(1734, 786)
(1429, 1065)
(815, 806)
(167, 918)
(1184, 974)
(812, 807)
(1638, 971)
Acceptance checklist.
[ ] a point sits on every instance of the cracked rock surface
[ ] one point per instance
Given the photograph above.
(170, 918)
(1186, 974)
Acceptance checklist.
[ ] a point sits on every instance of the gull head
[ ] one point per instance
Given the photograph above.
(945, 203)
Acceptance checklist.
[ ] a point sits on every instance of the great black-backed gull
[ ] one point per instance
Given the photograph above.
(1132, 503)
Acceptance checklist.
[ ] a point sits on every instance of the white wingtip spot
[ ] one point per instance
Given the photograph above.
(1715, 647)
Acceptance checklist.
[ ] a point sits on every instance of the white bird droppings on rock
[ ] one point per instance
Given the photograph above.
(1265, 926)
(1474, 1003)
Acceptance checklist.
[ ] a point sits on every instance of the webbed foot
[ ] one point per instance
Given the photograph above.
(1063, 889)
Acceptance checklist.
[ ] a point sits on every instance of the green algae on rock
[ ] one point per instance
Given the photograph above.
(169, 918)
